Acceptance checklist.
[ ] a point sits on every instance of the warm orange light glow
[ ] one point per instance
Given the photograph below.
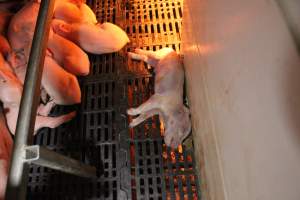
(162, 127)
(180, 150)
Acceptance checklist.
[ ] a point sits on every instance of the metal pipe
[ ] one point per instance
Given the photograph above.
(44, 157)
(18, 173)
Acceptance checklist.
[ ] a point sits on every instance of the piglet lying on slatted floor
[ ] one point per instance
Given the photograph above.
(167, 101)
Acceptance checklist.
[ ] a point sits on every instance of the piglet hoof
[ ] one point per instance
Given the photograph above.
(172, 141)
(131, 125)
(131, 111)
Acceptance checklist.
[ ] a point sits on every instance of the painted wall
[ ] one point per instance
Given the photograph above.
(243, 79)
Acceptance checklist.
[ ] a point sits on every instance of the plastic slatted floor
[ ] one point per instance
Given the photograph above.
(131, 163)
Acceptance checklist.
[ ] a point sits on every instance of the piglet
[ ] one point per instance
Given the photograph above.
(97, 39)
(68, 55)
(6, 144)
(167, 101)
(74, 12)
(67, 11)
(61, 85)
(88, 16)
(10, 95)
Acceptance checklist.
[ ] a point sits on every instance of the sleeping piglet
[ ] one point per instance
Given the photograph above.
(167, 101)
(93, 38)
(10, 95)
(61, 85)
(68, 55)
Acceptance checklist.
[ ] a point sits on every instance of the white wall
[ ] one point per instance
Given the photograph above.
(243, 75)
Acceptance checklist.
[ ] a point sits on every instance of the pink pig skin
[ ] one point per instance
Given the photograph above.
(21, 27)
(6, 144)
(87, 13)
(97, 39)
(62, 85)
(65, 52)
(10, 95)
(69, 55)
(167, 101)
(67, 11)
(74, 12)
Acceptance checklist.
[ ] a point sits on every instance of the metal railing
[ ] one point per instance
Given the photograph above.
(23, 154)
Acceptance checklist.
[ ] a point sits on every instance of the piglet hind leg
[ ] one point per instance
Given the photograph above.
(143, 116)
(157, 55)
(150, 104)
(52, 122)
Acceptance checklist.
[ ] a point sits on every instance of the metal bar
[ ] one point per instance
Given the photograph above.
(44, 157)
(18, 173)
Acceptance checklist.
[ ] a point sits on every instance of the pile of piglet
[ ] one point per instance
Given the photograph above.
(74, 31)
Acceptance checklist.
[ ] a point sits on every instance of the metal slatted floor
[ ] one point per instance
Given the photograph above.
(131, 163)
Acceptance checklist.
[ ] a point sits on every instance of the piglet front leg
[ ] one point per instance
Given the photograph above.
(44, 110)
(52, 122)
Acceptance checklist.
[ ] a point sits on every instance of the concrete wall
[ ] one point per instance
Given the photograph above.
(243, 79)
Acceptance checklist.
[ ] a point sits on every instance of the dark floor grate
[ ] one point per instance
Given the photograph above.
(132, 163)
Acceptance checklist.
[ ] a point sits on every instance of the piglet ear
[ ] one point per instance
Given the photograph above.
(60, 27)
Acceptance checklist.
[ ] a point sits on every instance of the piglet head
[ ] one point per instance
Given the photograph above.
(177, 127)
(121, 38)
(10, 87)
